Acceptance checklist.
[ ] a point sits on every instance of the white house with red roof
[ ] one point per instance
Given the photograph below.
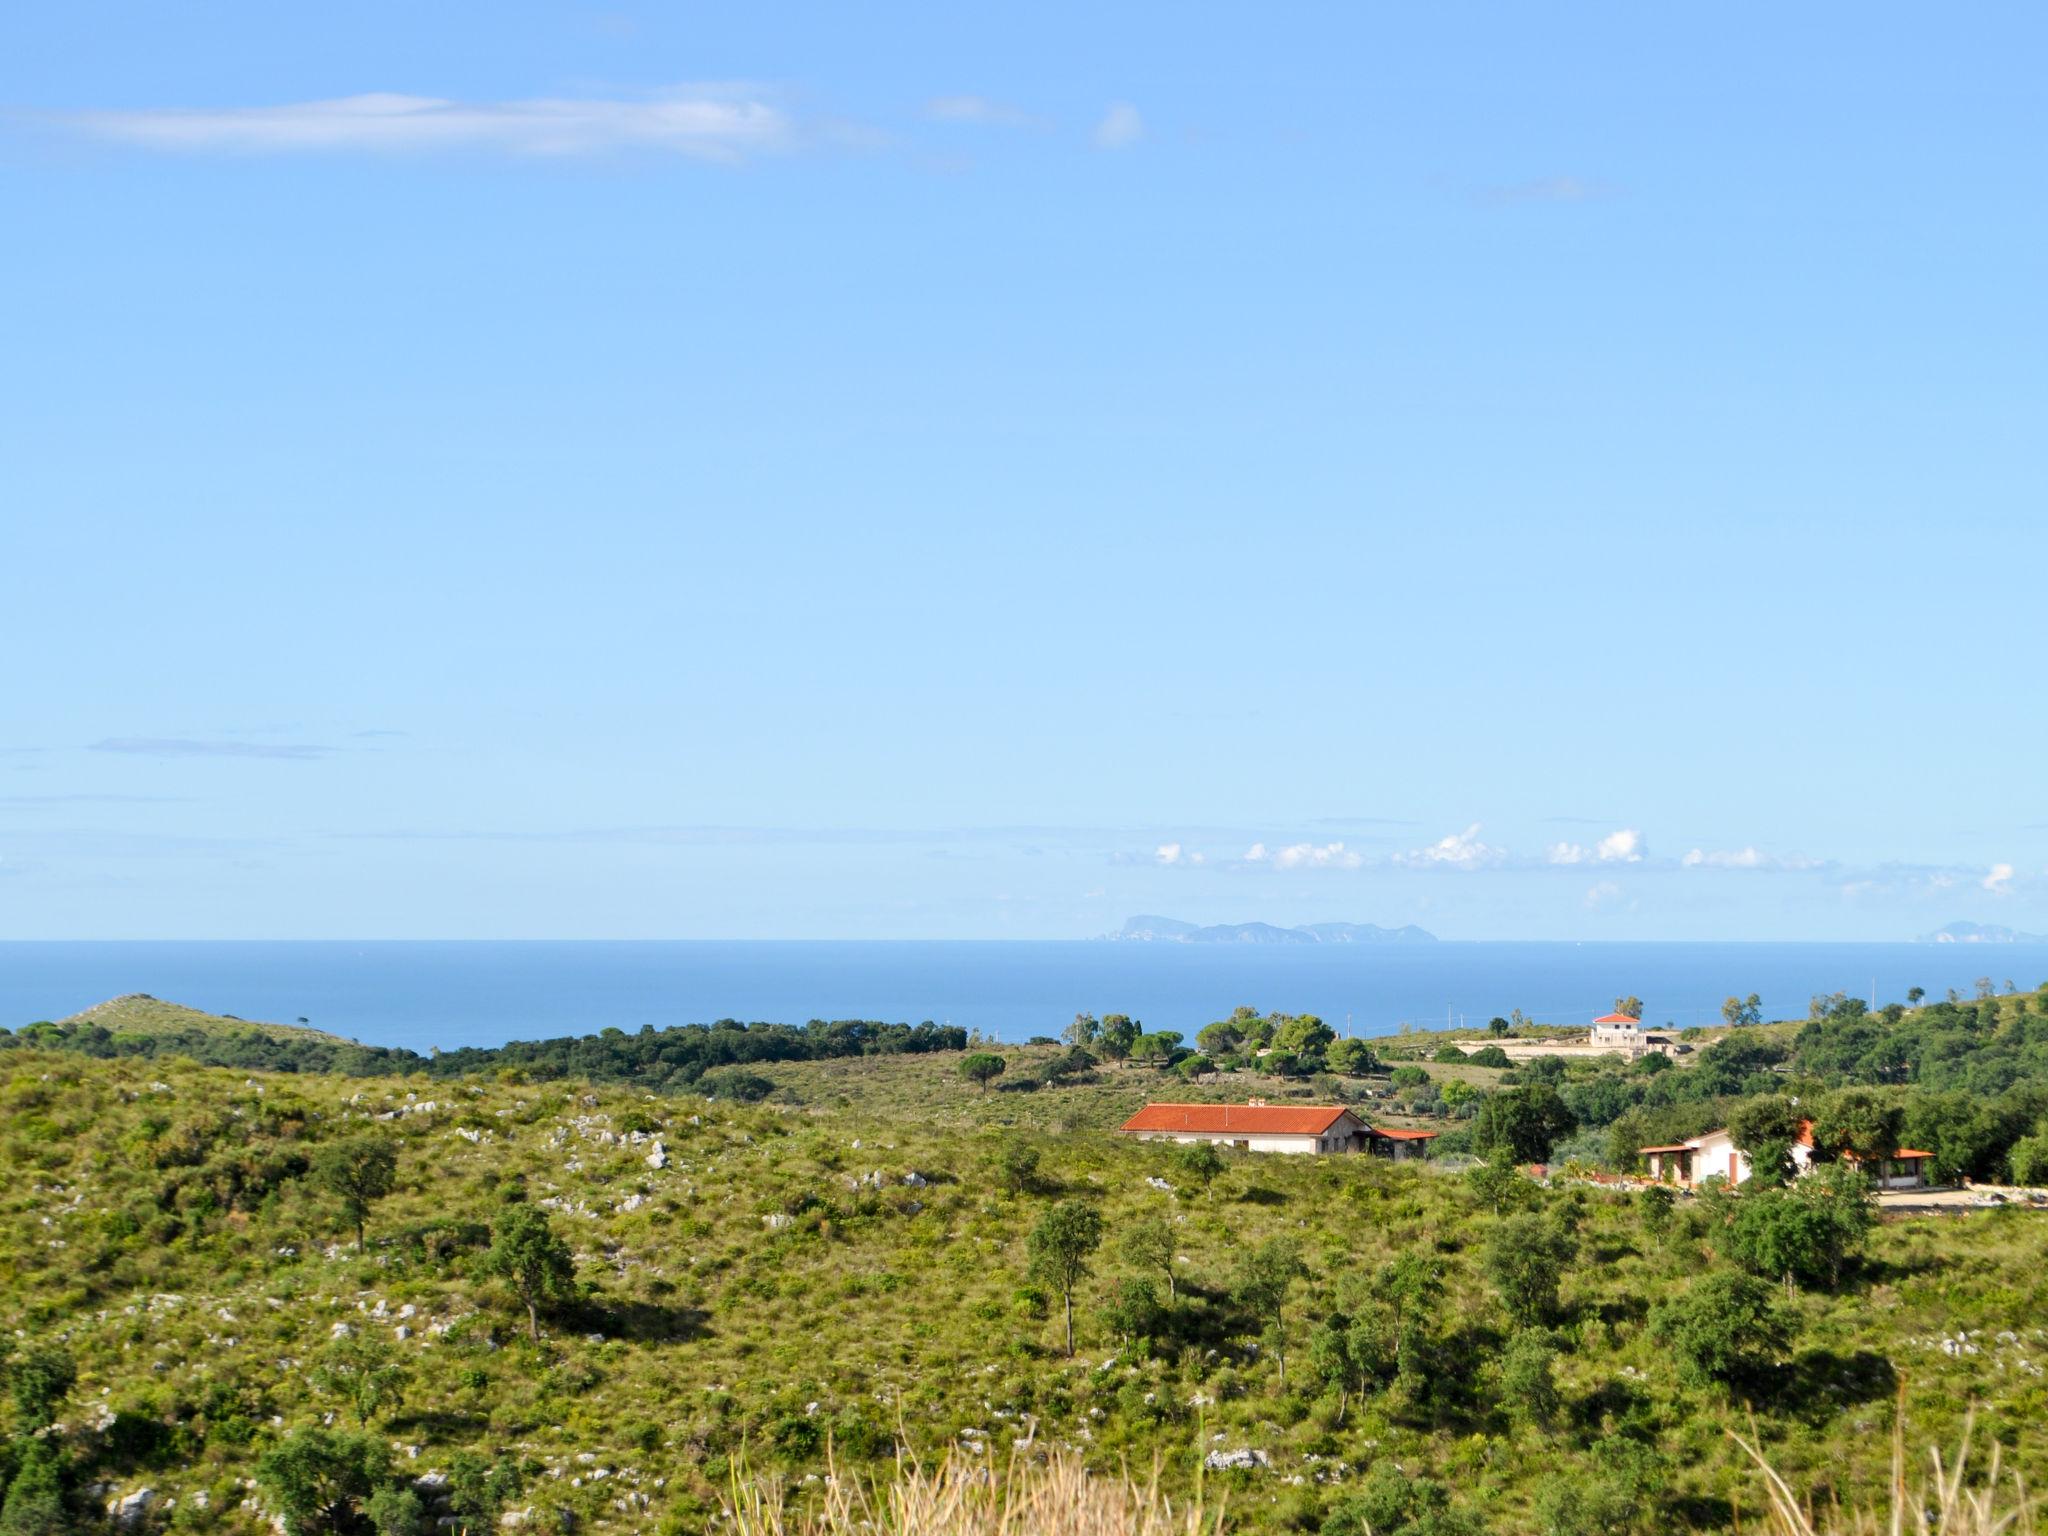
(1624, 1033)
(1257, 1127)
(1714, 1155)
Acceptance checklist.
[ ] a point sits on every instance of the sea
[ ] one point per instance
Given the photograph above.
(445, 994)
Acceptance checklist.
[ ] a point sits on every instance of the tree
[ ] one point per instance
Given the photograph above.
(1498, 1027)
(1060, 1247)
(478, 1489)
(1017, 1167)
(1528, 1380)
(396, 1510)
(1150, 1245)
(1119, 1033)
(359, 1171)
(1496, 1183)
(1072, 1062)
(361, 1371)
(1859, 1122)
(1082, 1031)
(1523, 1123)
(2029, 1160)
(34, 1505)
(1525, 1259)
(982, 1068)
(1223, 1038)
(1264, 1277)
(40, 1379)
(1162, 1047)
(1304, 1035)
(1351, 1058)
(316, 1479)
(1132, 1310)
(1805, 1233)
(1727, 1328)
(736, 1084)
(1739, 1010)
(1766, 1128)
(1631, 1006)
(528, 1256)
(1412, 1286)
(1200, 1161)
(1914, 994)
(1351, 1354)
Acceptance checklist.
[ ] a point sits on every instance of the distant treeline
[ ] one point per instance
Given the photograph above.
(673, 1058)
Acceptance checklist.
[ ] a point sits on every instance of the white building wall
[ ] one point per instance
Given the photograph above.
(1712, 1156)
(1225, 1139)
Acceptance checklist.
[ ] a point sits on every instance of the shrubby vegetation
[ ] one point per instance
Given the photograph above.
(256, 1293)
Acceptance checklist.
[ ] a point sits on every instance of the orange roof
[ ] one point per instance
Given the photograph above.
(1680, 1146)
(1243, 1119)
(1619, 1018)
(1392, 1133)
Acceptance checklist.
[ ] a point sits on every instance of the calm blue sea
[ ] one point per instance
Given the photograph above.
(443, 994)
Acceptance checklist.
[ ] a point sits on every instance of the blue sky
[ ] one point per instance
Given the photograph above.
(819, 471)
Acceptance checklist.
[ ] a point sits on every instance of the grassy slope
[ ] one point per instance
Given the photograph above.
(898, 1302)
(140, 1014)
(887, 1089)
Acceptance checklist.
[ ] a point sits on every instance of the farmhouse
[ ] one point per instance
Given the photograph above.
(1715, 1155)
(1624, 1033)
(1259, 1127)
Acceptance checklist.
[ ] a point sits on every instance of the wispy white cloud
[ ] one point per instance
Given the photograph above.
(1746, 857)
(1623, 847)
(1605, 893)
(1121, 127)
(1460, 850)
(707, 122)
(1175, 854)
(1305, 856)
(976, 109)
(1999, 880)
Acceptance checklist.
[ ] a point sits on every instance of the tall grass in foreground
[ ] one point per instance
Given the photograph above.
(1059, 1497)
(1056, 1497)
(1950, 1502)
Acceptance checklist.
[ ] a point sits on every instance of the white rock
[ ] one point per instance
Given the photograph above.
(130, 1508)
(1218, 1461)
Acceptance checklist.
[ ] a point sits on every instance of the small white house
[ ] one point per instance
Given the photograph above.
(1714, 1155)
(1275, 1128)
(1623, 1034)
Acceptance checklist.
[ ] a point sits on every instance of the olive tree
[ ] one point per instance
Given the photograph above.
(1264, 1278)
(527, 1254)
(358, 1171)
(1060, 1247)
(1150, 1244)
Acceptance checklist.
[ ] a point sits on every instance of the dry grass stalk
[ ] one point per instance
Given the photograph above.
(1056, 1497)
(1949, 1503)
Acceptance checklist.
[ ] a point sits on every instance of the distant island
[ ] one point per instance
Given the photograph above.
(1171, 930)
(1977, 933)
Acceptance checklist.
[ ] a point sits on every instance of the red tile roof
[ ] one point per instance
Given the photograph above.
(1619, 1018)
(1392, 1133)
(1240, 1119)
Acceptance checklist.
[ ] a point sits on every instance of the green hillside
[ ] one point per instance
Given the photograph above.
(850, 1263)
(140, 1014)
